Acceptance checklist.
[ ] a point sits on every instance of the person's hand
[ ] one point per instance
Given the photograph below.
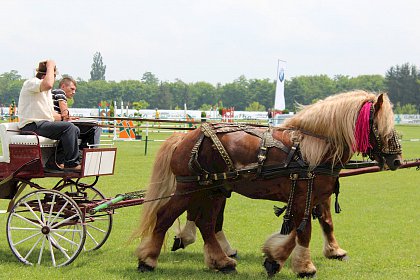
(50, 64)
(73, 118)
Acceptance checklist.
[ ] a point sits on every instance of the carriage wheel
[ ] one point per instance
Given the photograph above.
(99, 225)
(45, 227)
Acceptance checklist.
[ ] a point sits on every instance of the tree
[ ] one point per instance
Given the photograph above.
(255, 106)
(307, 89)
(262, 91)
(138, 105)
(405, 109)
(201, 93)
(150, 79)
(10, 85)
(151, 89)
(98, 68)
(236, 94)
(402, 84)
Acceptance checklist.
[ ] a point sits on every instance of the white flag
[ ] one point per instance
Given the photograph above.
(279, 103)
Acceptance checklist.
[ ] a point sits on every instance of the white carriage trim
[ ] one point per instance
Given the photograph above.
(33, 140)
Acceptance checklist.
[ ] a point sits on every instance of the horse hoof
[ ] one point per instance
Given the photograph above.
(343, 258)
(143, 267)
(228, 269)
(307, 275)
(272, 267)
(178, 244)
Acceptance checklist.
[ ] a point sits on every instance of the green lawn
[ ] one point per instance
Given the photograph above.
(379, 227)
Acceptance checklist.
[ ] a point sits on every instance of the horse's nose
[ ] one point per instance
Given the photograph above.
(397, 163)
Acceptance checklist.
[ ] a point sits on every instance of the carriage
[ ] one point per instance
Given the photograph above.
(52, 226)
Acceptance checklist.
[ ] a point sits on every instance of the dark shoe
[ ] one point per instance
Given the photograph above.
(51, 166)
(76, 168)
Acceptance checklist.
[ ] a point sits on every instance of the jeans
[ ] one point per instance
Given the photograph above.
(66, 132)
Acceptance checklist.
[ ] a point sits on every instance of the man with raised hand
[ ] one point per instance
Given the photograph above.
(36, 114)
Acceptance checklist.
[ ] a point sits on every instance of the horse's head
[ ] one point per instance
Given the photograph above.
(385, 147)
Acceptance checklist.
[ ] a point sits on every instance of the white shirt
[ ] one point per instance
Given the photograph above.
(34, 104)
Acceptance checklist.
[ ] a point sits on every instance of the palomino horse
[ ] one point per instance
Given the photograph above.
(297, 163)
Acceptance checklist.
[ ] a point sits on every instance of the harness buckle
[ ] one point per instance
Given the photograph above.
(294, 176)
(261, 158)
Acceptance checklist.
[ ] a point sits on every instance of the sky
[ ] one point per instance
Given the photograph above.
(214, 41)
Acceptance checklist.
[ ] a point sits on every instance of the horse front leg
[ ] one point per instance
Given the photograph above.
(331, 248)
(214, 255)
(295, 234)
(150, 246)
(301, 257)
(277, 248)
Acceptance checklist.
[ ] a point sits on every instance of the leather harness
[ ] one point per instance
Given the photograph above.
(293, 163)
(294, 167)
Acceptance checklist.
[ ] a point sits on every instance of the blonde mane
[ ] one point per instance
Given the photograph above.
(334, 118)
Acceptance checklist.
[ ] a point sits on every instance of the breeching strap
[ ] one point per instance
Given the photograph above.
(209, 132)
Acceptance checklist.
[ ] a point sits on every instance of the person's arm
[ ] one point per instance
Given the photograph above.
(57, 116)
(48, 81)
(65, 115)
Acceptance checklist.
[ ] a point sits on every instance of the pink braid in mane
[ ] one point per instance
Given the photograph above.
(362, 129)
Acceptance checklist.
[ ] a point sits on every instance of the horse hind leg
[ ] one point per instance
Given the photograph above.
(214, 256)
(187, 235)
(220, 235)
(149, 249)
(331, 248)
(224, 243)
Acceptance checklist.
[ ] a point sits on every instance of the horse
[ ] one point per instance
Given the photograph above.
(297, 163)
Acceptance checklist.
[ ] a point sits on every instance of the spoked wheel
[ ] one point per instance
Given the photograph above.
(45, 227)
(98, 225)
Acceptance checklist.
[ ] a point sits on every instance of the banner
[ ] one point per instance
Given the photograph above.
(279, 102)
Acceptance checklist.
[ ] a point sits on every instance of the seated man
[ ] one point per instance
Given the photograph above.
(89, 132)
(36, 114)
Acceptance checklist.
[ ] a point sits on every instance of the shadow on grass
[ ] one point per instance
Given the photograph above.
(6, 256)
(190, 265)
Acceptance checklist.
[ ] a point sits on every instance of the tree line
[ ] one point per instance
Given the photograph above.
(402, 82)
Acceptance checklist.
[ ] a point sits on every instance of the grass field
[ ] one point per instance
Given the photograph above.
(379, 227)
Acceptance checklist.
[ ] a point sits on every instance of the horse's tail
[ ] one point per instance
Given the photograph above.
(162, 184)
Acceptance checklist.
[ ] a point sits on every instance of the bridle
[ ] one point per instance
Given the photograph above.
(377, 148)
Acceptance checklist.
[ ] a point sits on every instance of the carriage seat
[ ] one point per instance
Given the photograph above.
(9, 134)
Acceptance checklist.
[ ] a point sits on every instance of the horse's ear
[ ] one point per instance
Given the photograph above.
(378, 103)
